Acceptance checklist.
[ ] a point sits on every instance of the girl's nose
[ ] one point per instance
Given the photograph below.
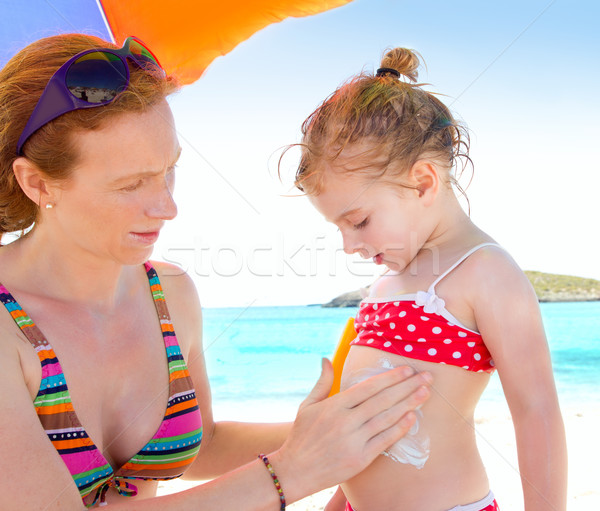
(351, 244)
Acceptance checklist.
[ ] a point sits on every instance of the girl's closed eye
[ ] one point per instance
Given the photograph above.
(362, 224)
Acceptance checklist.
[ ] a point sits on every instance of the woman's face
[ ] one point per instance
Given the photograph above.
(120, 194)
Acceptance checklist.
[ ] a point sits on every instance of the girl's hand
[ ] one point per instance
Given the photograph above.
(336, 438)
(337, 502)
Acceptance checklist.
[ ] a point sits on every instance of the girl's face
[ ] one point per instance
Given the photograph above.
(119, 196)
(377, 219)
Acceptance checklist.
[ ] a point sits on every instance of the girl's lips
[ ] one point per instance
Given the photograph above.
(378, 259)
(146, 238)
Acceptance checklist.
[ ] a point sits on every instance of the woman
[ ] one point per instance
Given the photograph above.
(88, 150)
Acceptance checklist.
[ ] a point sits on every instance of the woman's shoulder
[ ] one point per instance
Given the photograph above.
(173, 276)
(177, 285)
(182, 300)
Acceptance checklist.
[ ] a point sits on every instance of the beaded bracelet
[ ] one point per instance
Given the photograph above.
(275, 480)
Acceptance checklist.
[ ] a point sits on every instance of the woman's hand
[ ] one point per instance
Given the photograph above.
(336, 438)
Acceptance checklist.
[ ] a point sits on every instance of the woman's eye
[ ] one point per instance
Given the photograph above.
(362, 225)
(132, 187)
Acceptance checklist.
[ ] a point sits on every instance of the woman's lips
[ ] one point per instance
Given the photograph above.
(378, 259)
(146, 238)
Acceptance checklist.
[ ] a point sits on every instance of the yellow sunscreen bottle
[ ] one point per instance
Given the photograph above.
(341, 352)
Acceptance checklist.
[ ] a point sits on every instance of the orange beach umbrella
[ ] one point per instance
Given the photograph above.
(186, 35)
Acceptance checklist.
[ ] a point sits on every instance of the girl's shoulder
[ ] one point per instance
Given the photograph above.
(486, 263)
(465, 264)
(488, 273)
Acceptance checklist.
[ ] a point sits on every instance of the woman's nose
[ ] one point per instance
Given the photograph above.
(164, 206)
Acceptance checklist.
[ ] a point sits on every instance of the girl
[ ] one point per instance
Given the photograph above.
(378, 160)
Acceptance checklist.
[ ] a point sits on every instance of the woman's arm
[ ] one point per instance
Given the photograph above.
(508, 317)
(225, 445)
(331, 440)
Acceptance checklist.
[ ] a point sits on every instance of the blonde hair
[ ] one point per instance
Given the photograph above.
(52, 149)
(395, 118)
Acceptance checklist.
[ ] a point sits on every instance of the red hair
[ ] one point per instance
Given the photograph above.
(52, 148)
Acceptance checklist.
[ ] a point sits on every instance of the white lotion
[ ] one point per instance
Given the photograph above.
(411, 449)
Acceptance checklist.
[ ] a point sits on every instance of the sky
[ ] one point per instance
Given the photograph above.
(522, 75)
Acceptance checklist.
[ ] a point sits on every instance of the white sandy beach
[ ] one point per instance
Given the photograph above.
(498, 449)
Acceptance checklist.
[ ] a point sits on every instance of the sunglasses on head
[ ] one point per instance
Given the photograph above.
(89, 79)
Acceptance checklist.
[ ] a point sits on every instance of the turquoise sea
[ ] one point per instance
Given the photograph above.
(262, 361)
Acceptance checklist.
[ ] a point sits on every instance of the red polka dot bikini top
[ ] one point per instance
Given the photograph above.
(419, 326)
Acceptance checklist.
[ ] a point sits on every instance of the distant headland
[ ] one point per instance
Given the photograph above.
(548, 287)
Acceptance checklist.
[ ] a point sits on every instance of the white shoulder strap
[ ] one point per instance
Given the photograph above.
(462, 259)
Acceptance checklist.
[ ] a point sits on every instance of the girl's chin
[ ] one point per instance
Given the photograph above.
(394, 266)
(391, 265)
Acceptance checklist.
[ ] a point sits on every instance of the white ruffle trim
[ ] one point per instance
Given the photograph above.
(431, 303)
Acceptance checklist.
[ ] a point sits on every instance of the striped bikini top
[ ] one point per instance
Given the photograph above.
(418, 326)
(168, 453)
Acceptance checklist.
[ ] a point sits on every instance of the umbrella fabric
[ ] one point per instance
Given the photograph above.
(186, 35)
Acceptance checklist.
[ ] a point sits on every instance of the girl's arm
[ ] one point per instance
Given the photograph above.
(508, 317)
(337, 501)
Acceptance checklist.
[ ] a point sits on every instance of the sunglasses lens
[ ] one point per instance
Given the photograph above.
(143, 56)
(97, 77)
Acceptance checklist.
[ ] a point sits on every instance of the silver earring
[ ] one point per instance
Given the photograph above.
(49, 205)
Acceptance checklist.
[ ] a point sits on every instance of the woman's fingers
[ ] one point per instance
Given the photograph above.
(385, 401)
(388, 437)
(386, 428)
(368, 388)
(323, 386)
(346, 432)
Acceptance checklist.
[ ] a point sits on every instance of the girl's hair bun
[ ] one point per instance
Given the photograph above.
(404, 61)
(393, 115)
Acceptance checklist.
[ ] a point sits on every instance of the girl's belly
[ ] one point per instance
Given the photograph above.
(438, 465)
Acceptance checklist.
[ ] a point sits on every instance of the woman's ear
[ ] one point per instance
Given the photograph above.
(33, 182)
(424, 174)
